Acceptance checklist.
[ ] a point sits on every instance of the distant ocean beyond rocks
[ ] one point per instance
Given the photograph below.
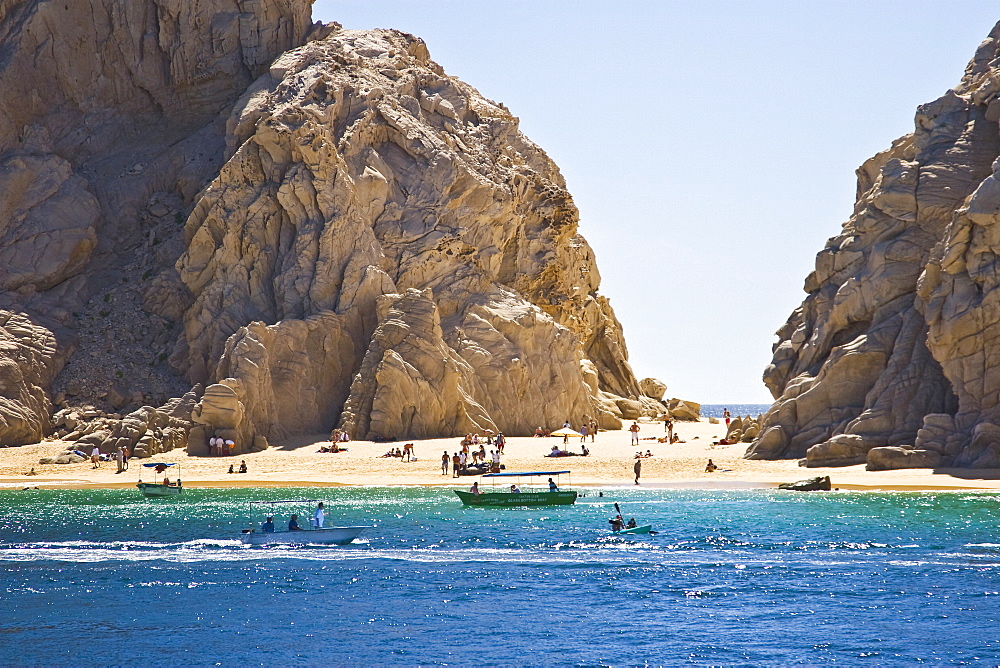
(715, 410)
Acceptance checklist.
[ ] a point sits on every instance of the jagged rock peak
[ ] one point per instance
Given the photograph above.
(895, 346)
(384, 250)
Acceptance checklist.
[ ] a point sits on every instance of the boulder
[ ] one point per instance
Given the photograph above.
(843, 450)
(679, 409)
(653, 388)
(901, 457)
(819, 484)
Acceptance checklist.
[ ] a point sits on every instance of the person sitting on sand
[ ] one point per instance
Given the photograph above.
(585, 451)
(710, 467)
(514, 489)
(555, 452)
(677, 439)
(648, 453)
(538, 432)
(293, 524)
(243, 466)
(268, 525)
(232, 468)
(475, 488)
(334, 447)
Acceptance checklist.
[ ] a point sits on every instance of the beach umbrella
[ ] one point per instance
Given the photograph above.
(565, 432)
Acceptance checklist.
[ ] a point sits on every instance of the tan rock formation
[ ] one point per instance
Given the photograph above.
(894, 343)
(430, 247)
(195, 192)
(652, 388)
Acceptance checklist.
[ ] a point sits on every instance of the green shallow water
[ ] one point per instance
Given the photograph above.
(733, 578)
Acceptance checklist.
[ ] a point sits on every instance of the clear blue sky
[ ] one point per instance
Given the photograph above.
(710, 146)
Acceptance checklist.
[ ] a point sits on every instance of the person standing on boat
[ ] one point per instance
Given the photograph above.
(319, 516)
(552, 486)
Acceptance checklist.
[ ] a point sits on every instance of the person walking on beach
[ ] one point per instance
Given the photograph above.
(583, 433)
(593, 430)
(638, 470)
(635, 432)
(501, 441)
(725, 414)
(444, 463)
(95, 457)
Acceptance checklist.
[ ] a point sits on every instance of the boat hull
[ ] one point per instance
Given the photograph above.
(508, 500)
(636, 530)
(327, 536)
(156, 490)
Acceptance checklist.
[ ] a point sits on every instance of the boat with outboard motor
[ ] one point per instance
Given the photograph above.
(266, 534)
(549, 494)
(155, 490)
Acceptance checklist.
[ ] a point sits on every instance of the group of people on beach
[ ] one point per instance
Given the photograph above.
(465, 458)
(96, 457)
(408, 452)
(219, 446)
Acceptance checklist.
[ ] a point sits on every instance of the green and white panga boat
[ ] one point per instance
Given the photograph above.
(160, 489)
(503, 494)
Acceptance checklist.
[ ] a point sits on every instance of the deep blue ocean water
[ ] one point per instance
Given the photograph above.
(754, 578)
(715, 410)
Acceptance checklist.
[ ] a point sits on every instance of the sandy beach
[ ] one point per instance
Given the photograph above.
(610, 463)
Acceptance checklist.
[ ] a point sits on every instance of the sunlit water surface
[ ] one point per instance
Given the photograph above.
(733, 578)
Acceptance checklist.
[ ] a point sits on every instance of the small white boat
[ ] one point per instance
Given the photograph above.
(325, 536)
(260, 535)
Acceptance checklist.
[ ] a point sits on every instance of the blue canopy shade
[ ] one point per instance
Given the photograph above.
(153, 466)
(511, 475)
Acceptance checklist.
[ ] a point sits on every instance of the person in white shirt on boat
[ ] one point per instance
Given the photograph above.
(475, 488)
(319, 516)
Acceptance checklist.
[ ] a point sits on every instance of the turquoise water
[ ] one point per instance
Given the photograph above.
(762, 578)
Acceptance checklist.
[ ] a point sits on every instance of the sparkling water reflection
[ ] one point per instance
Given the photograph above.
(733, 577)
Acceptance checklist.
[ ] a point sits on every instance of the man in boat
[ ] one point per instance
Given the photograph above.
(475, 488)
(268, 525)
(631, 523)
(617, 523)
(293, 524)
(552, 486)
(319, 516)
(514, 489)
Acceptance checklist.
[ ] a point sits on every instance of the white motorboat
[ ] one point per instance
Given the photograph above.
(325, 536)
(266, 534)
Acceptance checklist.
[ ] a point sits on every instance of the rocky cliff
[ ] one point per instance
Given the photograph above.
(889, 359)
(318, 224)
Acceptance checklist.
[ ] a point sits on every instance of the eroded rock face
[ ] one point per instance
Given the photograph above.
(417, 253)
(108, 130)
(894, 344)
(326, 232)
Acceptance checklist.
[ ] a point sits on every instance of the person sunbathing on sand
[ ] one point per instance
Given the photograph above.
(710, 467)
